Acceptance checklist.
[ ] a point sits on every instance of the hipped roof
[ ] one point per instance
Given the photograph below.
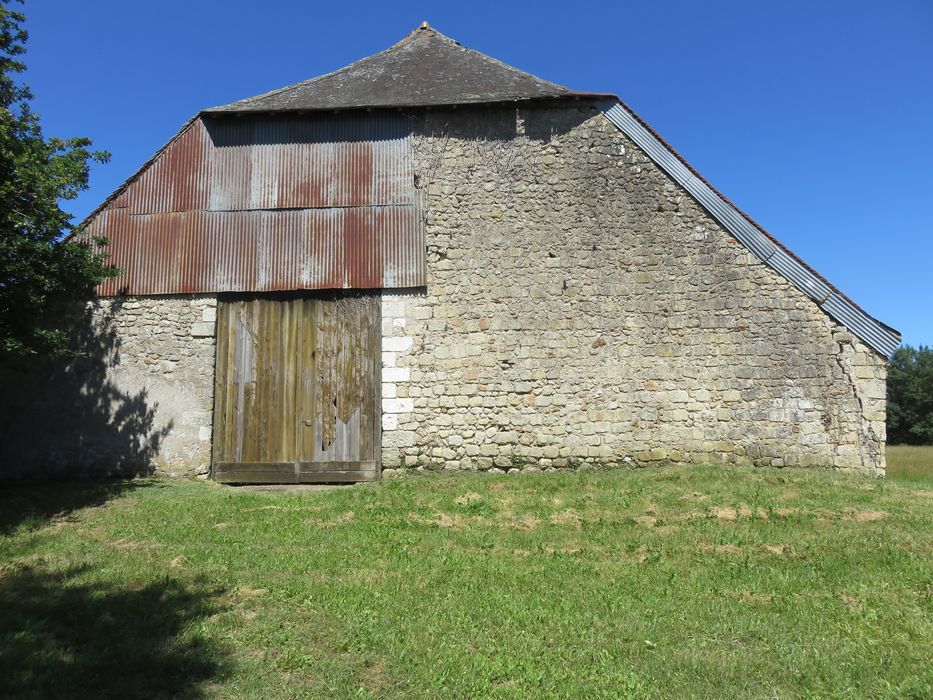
(424, 69)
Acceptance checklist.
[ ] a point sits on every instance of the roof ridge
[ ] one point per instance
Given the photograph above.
(308, 81)
(509, 66)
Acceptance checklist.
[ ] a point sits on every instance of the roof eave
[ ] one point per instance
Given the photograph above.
(569, 96)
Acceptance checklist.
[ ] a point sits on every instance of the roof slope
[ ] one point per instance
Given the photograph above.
(425, 68)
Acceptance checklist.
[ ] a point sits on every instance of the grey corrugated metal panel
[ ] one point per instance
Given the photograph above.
(880, 337)
(748, 234)
(799, 276)
(403, 263)
(393, 168)
(876, 334)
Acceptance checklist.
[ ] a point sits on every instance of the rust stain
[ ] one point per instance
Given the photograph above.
(270, 204)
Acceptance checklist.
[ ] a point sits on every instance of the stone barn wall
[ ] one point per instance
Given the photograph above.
(583, 309)
(142, 398)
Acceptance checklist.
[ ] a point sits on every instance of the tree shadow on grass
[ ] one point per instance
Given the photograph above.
(63, 638)
(33, 504)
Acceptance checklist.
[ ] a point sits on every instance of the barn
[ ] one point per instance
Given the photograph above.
(430, 259)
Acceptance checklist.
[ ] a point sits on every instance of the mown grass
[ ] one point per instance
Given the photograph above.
(908, 463)
(669, 582)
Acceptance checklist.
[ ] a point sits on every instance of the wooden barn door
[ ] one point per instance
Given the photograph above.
(297, 390)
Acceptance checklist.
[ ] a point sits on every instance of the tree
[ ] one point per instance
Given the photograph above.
(910, 396)
(43, 272)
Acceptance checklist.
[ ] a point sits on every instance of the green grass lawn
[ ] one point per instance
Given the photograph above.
(668, 582)
(908, 463)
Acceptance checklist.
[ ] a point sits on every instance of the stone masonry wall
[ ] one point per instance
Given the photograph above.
(142, 398)
(168, 350)
(581, 309)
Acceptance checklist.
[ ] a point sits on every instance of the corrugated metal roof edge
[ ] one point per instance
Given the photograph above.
(878, 335)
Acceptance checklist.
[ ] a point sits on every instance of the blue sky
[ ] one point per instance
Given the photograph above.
(816, 118)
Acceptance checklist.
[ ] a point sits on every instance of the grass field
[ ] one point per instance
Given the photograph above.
(907, 463)
(668, 582)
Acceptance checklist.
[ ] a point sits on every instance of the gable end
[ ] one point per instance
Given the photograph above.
(765, 247)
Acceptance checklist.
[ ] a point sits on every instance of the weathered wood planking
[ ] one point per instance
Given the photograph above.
(297, 389)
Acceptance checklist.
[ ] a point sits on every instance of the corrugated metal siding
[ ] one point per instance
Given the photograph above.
(178, 181)
(270, 204)
(883, 339)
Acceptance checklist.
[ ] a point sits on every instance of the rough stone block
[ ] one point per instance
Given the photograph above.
(398, 406)
(202, 329)
(396, 374)
(397, 344)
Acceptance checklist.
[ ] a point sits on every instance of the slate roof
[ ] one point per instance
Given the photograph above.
(424, 69)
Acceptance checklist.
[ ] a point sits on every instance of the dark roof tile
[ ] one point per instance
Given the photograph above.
(425, 69)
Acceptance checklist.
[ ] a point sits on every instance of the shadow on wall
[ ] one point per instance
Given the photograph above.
(67, 417)
(65, 636)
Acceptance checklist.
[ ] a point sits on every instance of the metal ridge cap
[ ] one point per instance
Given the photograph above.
(878, 335)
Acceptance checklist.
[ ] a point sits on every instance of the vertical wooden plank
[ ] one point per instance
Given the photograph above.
(276, 407)
(229, 430)
(261, 420)
(230, 407)
(238, 381)
(286, 385)
(373, 381)
(242, 361)
(218, 435)
(305, 365)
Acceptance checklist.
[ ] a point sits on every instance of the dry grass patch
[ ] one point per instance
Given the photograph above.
(342, 519)
(468, 499)
(569, 517)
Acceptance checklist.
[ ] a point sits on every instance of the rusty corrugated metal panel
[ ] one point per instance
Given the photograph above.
(264, 251)
(271, 204)
(178, 181)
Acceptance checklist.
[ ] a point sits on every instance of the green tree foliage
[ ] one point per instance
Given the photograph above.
(910, 396)
(42, 273)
